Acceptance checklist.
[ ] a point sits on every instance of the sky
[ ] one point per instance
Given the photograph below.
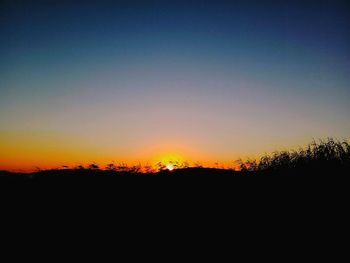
(146, 81)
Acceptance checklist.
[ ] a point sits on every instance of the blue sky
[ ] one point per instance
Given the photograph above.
(211, 79)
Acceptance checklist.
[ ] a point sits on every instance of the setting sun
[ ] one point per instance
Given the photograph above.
(170, 166)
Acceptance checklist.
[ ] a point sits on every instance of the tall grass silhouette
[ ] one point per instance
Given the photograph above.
(324, 156)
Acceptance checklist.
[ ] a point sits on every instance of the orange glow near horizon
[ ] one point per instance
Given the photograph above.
(26, 153)
(26, 165)
(29, 151)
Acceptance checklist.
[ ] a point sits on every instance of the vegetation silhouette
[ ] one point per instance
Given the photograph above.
(323, 159)
(326, 157)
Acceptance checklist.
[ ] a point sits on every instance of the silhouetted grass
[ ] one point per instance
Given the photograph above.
(324, 158)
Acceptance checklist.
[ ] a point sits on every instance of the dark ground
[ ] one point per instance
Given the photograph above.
(186, 190)
(85, 175)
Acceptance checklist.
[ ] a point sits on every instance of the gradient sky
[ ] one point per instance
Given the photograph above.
(206, 81)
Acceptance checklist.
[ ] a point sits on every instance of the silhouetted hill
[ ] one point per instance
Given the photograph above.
(98, 174)
(101, 175)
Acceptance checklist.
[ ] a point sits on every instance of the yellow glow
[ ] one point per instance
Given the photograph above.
(24, 151)
(170, 166)
(171, 158)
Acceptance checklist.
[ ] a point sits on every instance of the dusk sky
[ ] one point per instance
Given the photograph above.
(148, 81)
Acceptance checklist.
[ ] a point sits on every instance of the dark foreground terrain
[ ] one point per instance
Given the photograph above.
(189, 173)
(192, 188)
(204, 184)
